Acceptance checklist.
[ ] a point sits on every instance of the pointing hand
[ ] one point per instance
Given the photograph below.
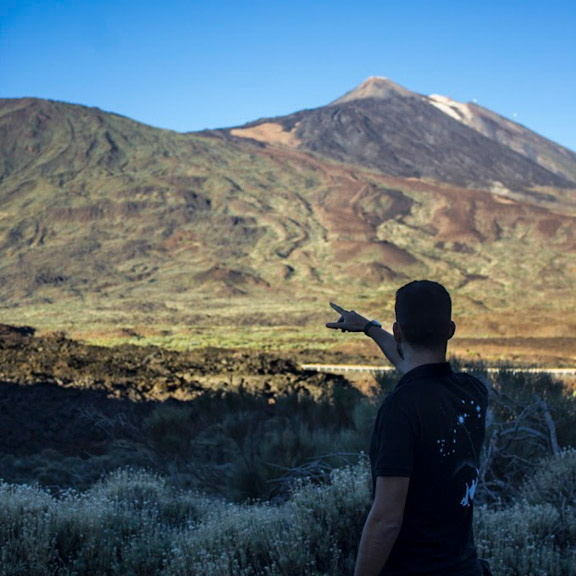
(349, 321)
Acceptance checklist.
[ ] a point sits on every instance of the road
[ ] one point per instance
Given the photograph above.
(344, 368)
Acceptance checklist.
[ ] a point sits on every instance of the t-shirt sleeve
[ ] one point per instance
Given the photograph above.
(395, 439)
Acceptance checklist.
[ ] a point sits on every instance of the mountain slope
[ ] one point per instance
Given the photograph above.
(106, 221)
(383, 126)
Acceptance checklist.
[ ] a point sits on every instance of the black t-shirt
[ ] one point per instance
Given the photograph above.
(430, 428)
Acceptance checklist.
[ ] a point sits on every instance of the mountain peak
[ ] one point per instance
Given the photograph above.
(374, 87)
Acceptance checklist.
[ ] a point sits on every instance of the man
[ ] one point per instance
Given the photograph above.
(425, 446)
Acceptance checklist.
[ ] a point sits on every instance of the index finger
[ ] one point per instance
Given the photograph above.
(338, 309)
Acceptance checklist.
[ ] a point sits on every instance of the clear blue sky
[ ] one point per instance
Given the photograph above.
(189, 65)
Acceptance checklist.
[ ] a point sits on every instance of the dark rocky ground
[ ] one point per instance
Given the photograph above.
(60, 394)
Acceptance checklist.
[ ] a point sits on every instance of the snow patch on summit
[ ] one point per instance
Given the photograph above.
(456, 110)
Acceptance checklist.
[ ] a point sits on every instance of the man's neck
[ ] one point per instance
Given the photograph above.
(414, 358)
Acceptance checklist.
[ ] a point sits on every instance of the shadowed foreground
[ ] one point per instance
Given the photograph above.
(141, 461)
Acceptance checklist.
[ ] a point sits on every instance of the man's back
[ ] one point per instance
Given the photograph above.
(431, 429)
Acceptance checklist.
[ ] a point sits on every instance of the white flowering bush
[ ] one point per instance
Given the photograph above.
(26, 530)
(134, 523)
(527, 540)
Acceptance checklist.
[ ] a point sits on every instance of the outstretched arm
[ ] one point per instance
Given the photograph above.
(351, 321)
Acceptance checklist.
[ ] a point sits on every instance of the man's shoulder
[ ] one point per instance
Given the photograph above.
(424, 390)
(430, 381)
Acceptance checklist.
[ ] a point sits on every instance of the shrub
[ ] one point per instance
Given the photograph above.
(246, 445)
(26, 531)
(520, 389)
(314, 533)
(527, 540)
(132, 522)
(553, 482)
(124, 525)
(170, 430)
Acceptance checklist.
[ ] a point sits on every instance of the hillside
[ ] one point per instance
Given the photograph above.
(108, 226)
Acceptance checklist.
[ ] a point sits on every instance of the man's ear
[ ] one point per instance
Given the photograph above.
(451, 329)
(399, 337)
(397, 331)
